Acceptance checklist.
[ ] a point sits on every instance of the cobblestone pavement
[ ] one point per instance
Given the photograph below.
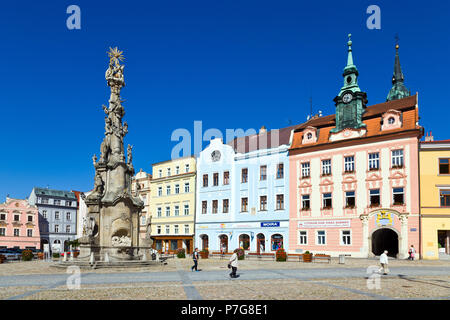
(289, 280)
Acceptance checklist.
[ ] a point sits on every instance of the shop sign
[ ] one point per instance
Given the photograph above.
(324, 224)
(270, 224)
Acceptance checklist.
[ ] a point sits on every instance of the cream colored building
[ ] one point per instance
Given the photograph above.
(140, 186)
(435, 198)
(172, 204)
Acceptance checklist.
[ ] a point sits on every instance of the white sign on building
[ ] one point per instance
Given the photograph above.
(324, 224)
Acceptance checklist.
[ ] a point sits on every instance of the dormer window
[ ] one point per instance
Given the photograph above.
(309, 136)
(392, 119)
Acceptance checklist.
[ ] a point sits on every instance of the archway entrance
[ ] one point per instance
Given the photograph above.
(385, 239)
(260, 243)
(223, 239)
(244, 241)
(205, 241)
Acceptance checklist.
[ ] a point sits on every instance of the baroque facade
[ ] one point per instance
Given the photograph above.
(140, 186)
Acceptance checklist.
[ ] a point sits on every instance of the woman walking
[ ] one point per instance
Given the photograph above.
(234, 264)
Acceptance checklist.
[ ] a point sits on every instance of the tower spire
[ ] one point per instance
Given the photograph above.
(398, 90)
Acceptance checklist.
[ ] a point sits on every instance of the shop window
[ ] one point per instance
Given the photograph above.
(244, 241)
(276, 242)
(173, 245)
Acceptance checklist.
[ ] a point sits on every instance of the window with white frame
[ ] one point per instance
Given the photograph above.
(263, 203)
(56, 228)
(168, 190)
(374, 161)
(374, 197)
(349, 164)
(167, 229)
(397, 158)
(57, 202)
(204, 207)
(159, 212)
(158, 229)
(68, 203)
(159, 191)
(280, 202)
(306, 203)
(346, 237)
(68, 216)
(186, 229)
(215, 206)
(326, 167)
(168, 172)
(186, 187)
(2, 231)
(186, 209)
(160, 173)
(327, 201)
(186, 168)
(175, 229)
(16, 232)
(44, 214)
(321, 237)
(44, 201)
(177, 189)
(303, 237)
(167, 211)
(350, 199)
(305, 170)
(177, 170)
(68, 229)
(29, 232)
(143, 220)
(177, 211)
(56, 215)
(30, 218)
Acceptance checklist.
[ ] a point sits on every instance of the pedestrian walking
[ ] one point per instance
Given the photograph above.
(412, 253)
(195, 258)
(384, 263)
(233, 264)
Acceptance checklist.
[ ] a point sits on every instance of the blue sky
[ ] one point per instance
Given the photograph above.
(230, 64)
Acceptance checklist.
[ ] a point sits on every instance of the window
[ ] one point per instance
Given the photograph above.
(244, 175)
(29, 232)
(327, 203)
(205, 180)
(167, 211)
(349, 164)
(280, 201)
(350, 199)
(263, 173)
(44, 201)
(168, 172)
(177, 211)
(244, 204)
(225, 206)
(306, 204)
(30, 218)
(44, 214)
(67, 229)
(160, 173)
(186, 168)
(321, 237)
(158, 229)
(226, 177)
(398, 196)
(305, 170)
(391, 120)
(186, 209)
(168, 190)
(159, 210)
(445, 198)
(56, 215)
(2, 231)
(3, 216)
(186, 187)
(68, 216)
(263, 203)
(346, 237)
(177, 189)
(16, 217)
(309, 136)
(175, 229)
(167, 229)
(68, 203)
(215, 179)
(397, 158)
(56, 228)
(303, 237)
(374, 197)
(16, 232)
(326, 167)
(177, 170)
(215, 206)
(186, 229)
(280, 171)
(204, 207)
(159, 191)
(57, 202)
(444, 166)
(374, 161)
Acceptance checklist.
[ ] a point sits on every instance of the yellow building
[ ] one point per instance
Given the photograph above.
(141, 187)
(172, 204)
(435, 198)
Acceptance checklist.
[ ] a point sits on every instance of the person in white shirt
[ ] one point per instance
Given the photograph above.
(384, 263)
(234, 264)
(412, 253)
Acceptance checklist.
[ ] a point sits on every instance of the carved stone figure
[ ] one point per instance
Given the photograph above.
(123, 241)
(98, 184)
(129, 154)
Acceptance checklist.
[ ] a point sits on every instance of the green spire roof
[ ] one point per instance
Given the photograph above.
(350, 68)
(350, 72)
(398, 90)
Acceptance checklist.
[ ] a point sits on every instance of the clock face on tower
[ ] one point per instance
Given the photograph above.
(347, 98)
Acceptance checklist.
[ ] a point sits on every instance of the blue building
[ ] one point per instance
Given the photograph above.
(243, 193)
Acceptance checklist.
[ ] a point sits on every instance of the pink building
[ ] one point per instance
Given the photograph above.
(19, 225)
(354, 175)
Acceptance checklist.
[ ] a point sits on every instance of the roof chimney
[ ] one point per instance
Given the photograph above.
(429, 137)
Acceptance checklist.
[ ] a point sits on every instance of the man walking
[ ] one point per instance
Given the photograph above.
(195, 258)
(384, 263)
(234, 264)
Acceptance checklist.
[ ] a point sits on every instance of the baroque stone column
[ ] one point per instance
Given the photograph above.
(403, 245)
(365, 236)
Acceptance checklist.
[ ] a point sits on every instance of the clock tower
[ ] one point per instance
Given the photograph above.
(351, 101)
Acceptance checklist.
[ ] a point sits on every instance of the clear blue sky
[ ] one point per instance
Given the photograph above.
(230, 64)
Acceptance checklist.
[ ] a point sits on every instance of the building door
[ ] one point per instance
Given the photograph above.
(223, 239)
(188, 246)
(205, 241)
(444, 241)
(385, 239)
(244, 241)
(260, 243)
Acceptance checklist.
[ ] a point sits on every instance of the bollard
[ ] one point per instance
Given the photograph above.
(92, 259)
(106, 257)
(65, 257)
